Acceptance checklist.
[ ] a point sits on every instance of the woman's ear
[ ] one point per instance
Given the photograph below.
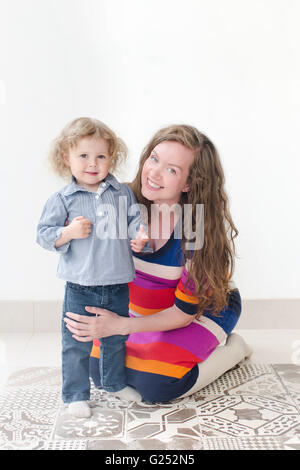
(186, 188)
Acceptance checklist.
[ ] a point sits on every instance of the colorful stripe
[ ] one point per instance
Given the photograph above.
(153, 282)
(162, 298)
(186, 338)
(170, 272)
(155, 367)
(143, 311)
(186, 298)
(158, 350)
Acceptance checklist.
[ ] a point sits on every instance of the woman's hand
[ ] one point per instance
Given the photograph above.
(105, 323)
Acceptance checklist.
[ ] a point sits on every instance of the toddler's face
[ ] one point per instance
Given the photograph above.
(89, 162)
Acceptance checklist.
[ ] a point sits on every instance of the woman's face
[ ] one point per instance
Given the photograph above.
(165, 173)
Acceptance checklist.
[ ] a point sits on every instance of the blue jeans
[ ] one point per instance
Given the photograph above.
(76, 354)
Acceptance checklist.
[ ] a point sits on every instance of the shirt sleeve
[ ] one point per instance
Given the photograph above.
(185, 299)
(51, 223)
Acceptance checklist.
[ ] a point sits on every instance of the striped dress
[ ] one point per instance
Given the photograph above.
(163, 365)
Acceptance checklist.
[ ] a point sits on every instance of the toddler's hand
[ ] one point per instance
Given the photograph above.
(140, 241)
(80, 227)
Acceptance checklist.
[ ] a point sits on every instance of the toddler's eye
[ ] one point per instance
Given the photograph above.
(101, 156)
(83, 155)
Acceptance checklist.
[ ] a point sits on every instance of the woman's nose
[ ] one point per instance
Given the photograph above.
(155, 173)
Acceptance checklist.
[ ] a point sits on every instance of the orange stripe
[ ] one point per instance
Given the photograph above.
(186, 298)
(155, 367)
(95, 351)
(144, 311)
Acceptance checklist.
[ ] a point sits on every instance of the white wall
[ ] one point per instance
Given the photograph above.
(231, 68)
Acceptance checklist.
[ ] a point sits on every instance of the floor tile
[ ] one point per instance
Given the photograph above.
(252, 406)
(241, 443)
(256, 405)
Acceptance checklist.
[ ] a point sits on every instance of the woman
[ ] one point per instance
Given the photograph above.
(183, 302)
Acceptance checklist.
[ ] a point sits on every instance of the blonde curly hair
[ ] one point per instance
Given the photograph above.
(78, 129)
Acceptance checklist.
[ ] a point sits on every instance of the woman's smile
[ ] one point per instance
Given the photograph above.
(153, 185)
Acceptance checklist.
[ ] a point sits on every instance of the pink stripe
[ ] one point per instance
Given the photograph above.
(191, 284)
(194, 338)
(153, 282)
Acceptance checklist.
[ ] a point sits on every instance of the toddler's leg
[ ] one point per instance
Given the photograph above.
(221, 360)
(112, 368)
(75, 357)
(113, 350)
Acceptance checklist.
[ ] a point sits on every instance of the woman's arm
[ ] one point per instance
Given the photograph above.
(166, 320)
(108, 323)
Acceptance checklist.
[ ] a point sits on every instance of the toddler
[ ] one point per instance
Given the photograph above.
(80, 222)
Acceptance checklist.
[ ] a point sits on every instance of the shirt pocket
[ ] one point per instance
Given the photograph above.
(82, 205)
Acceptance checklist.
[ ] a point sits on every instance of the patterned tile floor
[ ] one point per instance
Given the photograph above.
(253, 406)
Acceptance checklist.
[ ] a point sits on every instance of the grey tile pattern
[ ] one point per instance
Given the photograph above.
(252, 406)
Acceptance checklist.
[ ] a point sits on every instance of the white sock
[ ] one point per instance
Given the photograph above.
(79, 409)
(220, 361)
(129, 394)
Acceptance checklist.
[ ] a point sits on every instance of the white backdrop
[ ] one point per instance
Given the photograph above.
(231, 68)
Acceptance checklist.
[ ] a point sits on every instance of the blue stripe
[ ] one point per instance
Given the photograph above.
(159, 388)
(229, 316)
(190, 309)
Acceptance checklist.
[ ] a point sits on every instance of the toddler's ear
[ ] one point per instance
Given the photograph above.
(65, 157)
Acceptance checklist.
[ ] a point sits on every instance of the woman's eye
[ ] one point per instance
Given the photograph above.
(153, 158)
(172, 171)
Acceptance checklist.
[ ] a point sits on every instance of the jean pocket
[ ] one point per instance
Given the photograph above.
(78, 297)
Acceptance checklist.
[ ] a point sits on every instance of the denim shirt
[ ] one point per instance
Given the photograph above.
(105, 257)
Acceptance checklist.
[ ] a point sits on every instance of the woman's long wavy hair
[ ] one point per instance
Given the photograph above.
(210, 267)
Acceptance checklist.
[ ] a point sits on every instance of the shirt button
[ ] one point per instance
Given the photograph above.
(103, 185)
(97, 196)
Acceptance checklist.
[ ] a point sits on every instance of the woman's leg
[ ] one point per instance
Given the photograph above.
(221, 360)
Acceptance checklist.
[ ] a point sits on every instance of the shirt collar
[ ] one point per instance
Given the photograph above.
(110, 179)
(73, 187)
